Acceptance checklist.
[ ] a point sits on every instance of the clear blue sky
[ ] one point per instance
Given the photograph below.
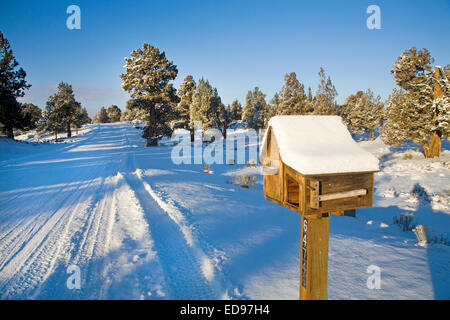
(235, 44)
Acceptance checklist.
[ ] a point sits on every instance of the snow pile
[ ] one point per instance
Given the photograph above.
(318, 145)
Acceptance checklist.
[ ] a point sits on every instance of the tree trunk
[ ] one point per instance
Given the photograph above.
(69, 132)
(77, 130)
(10, 133)
(372, 136)
(56, 136)
(192, 130)
(224, 133)
(433, 149)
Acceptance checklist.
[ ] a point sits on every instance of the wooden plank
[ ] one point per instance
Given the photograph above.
(342, 195)
(314, 261)
(337, 184)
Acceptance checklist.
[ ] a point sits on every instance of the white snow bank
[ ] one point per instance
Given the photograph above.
(318, 145)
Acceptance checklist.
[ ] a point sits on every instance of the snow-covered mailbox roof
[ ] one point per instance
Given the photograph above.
(312, 165)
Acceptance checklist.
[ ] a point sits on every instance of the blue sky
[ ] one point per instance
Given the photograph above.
(236, 45)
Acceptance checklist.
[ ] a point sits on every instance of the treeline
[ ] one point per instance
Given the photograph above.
(419, 110)
(61, 113)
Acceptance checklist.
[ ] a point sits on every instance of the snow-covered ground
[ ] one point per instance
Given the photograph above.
(139, 226)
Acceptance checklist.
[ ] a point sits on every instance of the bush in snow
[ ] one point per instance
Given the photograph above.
(405, 221)
(245, 180)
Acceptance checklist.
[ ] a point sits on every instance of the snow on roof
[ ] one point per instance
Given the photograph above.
(318, 145)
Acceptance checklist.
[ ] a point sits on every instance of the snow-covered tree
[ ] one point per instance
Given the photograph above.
(293, 100)
(185, 93)
(363, 112)
(235, 111)
(206, 106)
(60, 110)
(81, 117)
(134, 111)
(423, 104)
(114, 113)
(254, 109)
(325, 100)
(147, 76)
(12, 86)
(101, 116)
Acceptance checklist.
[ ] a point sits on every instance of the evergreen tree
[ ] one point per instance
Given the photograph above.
(31, 114)
(114, 113)
(134, 111)
(101, 116)
(325, 100)
(254, 109)
(147, 76)
(235, 113)
(52, 117)
(207, 106)
(185, 93)
(12, 86)
(363, 112)
(60, 111)
(272, 109)
(293, 100)
(423, 103)
(81, 117)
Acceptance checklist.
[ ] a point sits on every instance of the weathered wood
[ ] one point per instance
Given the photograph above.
(342, 195)
(314, 258)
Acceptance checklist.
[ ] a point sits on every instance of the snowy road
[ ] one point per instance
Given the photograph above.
(140, 227)
(74, 206)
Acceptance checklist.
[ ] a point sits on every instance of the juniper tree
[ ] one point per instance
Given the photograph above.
(254, 109)
(12, 86)
(147, 76)
(325, 100)
(424, 102)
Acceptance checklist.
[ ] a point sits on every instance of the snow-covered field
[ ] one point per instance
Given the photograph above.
(140, 227)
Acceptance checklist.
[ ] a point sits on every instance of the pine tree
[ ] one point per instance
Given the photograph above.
(254, 109)
(12, 86)
(424, 102)
(60, 110)
(325, 100)
(52, 117)
(272, 109)
(207, 106)
(235, 112)
(134, 111)
(363, 112)
(101, 116)
(185, 93)
(114, 113)
(293, 100)
(31, 114)
(147, 76)
(81, 117)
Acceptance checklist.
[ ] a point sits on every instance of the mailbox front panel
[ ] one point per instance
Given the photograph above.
(352, 191)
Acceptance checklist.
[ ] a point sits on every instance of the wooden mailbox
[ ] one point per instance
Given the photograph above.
(312, 166)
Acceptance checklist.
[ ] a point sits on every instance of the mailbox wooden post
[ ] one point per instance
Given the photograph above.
(312, 166)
